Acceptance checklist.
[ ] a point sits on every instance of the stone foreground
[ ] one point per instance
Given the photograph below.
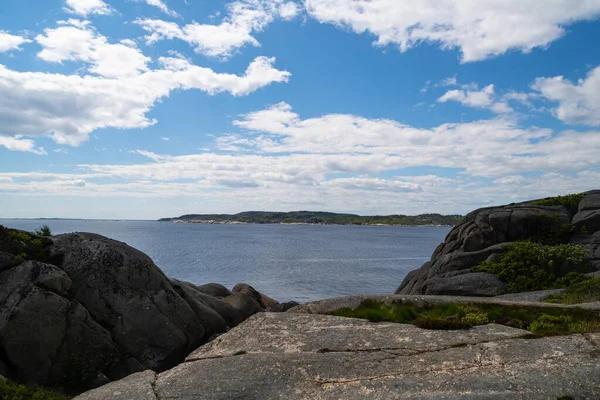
(310, 356)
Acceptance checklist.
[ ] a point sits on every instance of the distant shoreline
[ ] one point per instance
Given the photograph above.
(317, 218)
(212, 222)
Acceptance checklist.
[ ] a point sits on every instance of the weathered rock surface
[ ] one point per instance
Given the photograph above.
(138, 386)
(588, 215)
(300, 356)
(44, 336)
(482, 236)
(104, 311)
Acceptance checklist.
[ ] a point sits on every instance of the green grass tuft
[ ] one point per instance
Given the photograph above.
(15, 391)
(540, 321)
(583, 292)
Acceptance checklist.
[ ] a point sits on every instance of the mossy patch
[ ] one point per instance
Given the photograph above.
(540, 321)
(529, 266)
(583, 292)
(14, 391)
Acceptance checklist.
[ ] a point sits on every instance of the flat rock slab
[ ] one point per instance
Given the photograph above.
(139, 386)
(302, 356)
(304, 333)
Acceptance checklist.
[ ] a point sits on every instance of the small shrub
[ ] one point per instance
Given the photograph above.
(582, 292)
(528, 266)
(475, 316)
(43, 230)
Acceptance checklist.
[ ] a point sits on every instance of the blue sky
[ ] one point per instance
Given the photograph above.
(150, 108)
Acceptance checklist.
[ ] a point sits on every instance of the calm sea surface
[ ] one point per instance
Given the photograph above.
(286, 262)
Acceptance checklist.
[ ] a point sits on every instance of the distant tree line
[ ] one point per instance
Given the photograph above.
(326, 218)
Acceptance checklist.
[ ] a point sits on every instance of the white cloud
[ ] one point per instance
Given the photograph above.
(378, 184)
(235, 31)
(70, 107)
(480, 29)
(11, 42)
(484, 98)
(577, 103)
(16, 143)
(87, 7)
(77, 41)
(349, 143)
(163, 7)
(166, 139)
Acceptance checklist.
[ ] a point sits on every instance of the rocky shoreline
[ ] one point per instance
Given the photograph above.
(81, 311)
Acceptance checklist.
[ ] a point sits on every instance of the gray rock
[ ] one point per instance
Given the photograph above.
(214, 289)
(296, 356)
(244, 303)
(305, 333)
(475, 284)
(429, 279)
(139, 386)
(283, 307)
(124, 291)
(46, 337)
(481, 237)
(588, 219)
(231, 315)
(263, 300)
(591, 201)
(7, 260)
(103, 312)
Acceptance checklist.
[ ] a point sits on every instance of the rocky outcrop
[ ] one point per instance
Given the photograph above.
(483, 235)
(588, 215)
(302, 356)
(102, 310)
(45, 336)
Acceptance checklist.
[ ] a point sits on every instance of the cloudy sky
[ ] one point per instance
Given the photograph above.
(151, 108)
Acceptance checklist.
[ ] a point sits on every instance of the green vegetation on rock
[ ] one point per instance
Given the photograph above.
(43, 230)
(582, 292)
(326, 218)
(529, 266)
(23, 245)
(540, 321)
(569, 201)
(15, 391)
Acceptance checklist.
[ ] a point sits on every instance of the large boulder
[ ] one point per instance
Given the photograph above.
(588, 215)
(127, 294)
(97, 310)
(483, 235)
(263, 300)
(44, 336)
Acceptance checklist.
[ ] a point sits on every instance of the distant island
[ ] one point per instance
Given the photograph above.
(317, 218)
